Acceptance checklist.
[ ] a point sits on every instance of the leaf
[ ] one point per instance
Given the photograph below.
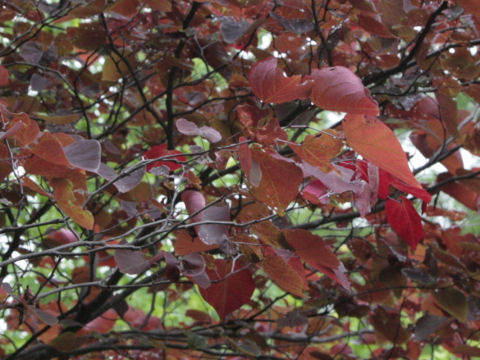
(279, 182)
(282, 274)
(339, 89)
(427, 325)
(311, 248)
(386, 179)
(193, 264)
(195, 203)
(123, 183)
(67, 341)
(467, 350)
(297, 26)
(374, 140)
(131, 261)
(50, 149)
(44, 316)
(369, 22)
(26, 131)
(60, 119)
(88, 36)
(4, 76)
(102, 324)
(189, 128)
(185, 244)
(459, 192)
(59, 237)
(229, 290)
(271, 85)
(418, 275)
(70, 203)
(159, 151)
(404, 219)
(84, 154)
(232, 30)
(319, 150)
(212, 234)
(453, 302)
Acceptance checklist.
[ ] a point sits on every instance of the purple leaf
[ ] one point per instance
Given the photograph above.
(189, 128)
(44, 316)
(85, 154)
(123, 184)
(131, 261)
(193, 264)
(232, 30)
(38, 82)
(194, 202)
(212, 233)
(31, 52)
(297, 26)
(340, 181)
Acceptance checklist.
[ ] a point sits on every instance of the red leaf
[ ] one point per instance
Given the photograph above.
(270, 84)
(4, 77)
(26, 131)
(160, 151)
(387, 179)
(102, 324)
(377, 143)
(404, 219)
(339, 89)
(460, 192)
(279, 181)
(284, 275)
(231, 290)
(318, 150)
(185, 244)
(311, 248)
(70, 203)
(49, 148)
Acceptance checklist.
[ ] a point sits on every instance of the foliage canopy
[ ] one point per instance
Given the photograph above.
(228, 179)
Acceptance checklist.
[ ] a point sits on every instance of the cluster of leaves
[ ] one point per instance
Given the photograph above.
(173, 184)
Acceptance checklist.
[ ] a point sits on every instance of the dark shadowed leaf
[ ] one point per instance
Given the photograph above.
(427, 325)
(418, 275)
(453, 302)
